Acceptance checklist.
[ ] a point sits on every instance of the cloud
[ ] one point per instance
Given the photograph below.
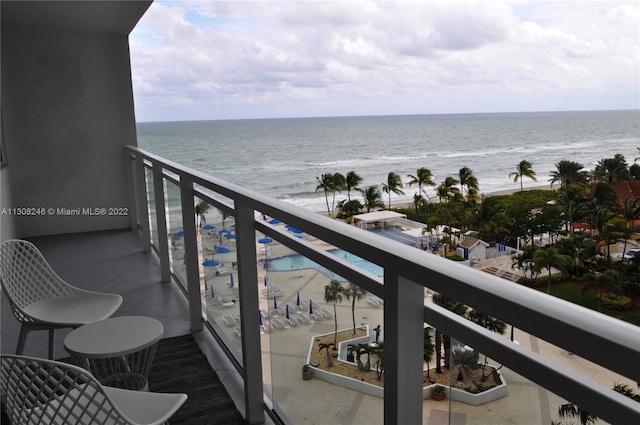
(209, 59)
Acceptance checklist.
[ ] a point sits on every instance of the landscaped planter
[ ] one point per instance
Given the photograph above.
(471, 398)
(378, 391)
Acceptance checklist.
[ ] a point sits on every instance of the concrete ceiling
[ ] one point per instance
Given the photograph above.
(110, 16)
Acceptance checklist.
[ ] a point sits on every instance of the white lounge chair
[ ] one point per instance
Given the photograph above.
(42, 300)
(38, 391)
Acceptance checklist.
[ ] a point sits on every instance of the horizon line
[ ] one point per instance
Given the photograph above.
(391, 115)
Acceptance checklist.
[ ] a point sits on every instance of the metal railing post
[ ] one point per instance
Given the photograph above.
(403, 350)
(191, 252)
(249, 310)
(161, 221)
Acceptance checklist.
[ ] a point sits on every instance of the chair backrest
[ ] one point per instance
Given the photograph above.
(27, 277)
(39, 391)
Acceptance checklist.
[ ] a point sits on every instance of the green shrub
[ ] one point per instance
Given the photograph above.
(616, 302)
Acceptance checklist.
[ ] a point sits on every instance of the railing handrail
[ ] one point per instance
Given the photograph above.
(564, 324)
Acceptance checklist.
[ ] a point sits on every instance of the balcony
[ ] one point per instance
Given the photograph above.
(211, 280)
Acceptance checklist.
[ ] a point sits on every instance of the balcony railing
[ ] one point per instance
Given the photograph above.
(165, 193)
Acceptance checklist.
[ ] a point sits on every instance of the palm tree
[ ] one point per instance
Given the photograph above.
(372, 198)
(333, 293)
(467, 179)
(608, 281)
(393, 184)
(418, 201)
(523, 169)
(368, 350)
(326, 346)
(428, 347)
(352, 182)
(423, 177)
(200, 209)
(447, 189)
(339, 184)
(571, 410)
(612, 170)
(630, 210)
(354, 293)
(568, 173)
(548, 259)
(325, 182)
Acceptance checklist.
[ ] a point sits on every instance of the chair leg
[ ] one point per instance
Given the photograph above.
(22, 339)
(52, 338)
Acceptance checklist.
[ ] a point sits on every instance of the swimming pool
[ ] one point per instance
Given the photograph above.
(299, 262)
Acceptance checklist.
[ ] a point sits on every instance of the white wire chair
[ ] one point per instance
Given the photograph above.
(39, 391)
(41, 300)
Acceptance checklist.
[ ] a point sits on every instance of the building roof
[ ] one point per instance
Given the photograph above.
(377, 216)
(469, 242)
(630, 188)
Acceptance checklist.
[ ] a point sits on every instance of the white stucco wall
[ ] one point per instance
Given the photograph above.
(67, 107)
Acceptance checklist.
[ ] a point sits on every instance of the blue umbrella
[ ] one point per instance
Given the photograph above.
(286, 310)
(231, 281)
(224, 231)
(179, 233)
(210, 263)
(512, 333)
(229, 236)
(222, 249)
(274, 221)
(265, 240)
(212, 294)
(298, 298)
(275, 303)
(294, 230)
(208, 227)
(260, 318)
(310, 307)
(265, 281)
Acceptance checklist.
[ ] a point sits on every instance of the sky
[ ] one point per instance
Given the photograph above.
(209, 60)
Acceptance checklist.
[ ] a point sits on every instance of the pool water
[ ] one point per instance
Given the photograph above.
(299, 262)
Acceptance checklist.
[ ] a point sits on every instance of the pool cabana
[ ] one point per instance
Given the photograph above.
(377, 219)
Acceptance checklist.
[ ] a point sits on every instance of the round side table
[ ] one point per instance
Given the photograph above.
(118, 351)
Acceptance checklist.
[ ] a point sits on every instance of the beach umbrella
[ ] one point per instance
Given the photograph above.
(265, 240)
(310, 307)
(294, 230)
(229, 235)
(210, 263)
(274, 221)
(208, 227)
(512, 333)
(179, 233)
(212, 294)
(265, 280)
(222, 249)
(224, 231)
(231, 281)
(286, 311)
(260, 317)
(275, 303)
(298, 298)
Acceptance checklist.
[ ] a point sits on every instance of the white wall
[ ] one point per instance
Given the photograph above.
(67, 107)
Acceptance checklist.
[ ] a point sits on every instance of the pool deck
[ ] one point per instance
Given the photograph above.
(284, 351)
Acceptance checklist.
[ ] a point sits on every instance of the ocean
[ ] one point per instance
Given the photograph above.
(283, 157)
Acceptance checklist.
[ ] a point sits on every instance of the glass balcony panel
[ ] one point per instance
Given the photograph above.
(299, 328)
(175, 231)
(153, 220)
(219, 273)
